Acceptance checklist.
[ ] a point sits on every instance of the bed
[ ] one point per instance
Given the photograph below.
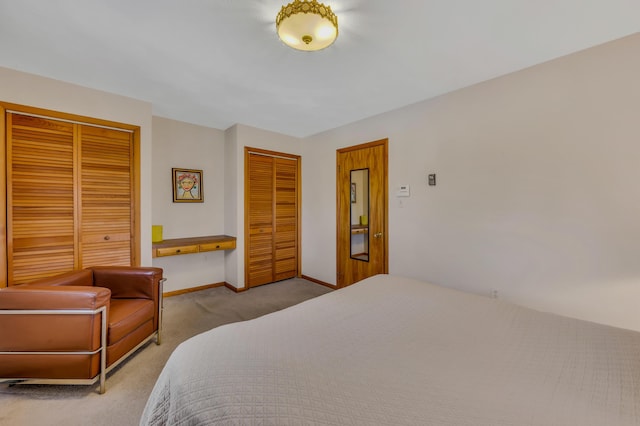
(395, 351)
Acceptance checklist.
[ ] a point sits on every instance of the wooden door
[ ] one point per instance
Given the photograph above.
(106, 196)
(370, 227)
(41, 198)
(72, 191)
(260, 220)
(272, 214)
(286, 218)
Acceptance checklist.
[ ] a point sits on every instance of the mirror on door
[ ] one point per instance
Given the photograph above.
(360, 214)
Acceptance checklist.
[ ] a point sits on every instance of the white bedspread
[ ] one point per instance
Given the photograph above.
(395, 351)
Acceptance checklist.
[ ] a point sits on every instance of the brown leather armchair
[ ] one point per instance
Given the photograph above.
(75, 327)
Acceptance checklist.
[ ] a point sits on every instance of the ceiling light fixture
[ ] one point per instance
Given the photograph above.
(307, 25)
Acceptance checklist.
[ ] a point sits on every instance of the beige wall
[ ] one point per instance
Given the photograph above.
(182, 145)
(537, 193)
(28, 89)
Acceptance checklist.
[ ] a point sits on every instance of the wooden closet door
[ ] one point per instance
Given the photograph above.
(40, 197)
(71, 196)
(286, 218)
(272, 217)
(260, 199)
(106, 196)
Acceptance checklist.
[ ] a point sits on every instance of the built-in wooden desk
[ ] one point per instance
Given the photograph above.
(190, 245)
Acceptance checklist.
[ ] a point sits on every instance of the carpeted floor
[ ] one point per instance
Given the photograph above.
(129, 385)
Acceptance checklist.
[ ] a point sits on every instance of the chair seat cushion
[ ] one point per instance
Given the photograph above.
(125, 315)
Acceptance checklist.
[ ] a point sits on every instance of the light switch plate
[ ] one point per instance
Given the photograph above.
(403, 191)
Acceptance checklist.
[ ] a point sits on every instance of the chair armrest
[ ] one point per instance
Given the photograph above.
(44, 318)
(128, 282)
(53, 297)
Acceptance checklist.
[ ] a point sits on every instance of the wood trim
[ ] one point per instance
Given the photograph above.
(384, 142)
(6, 153)
(80, 119)
(136, 250)
(385, 145)
(274, 221)
(246, 219)
(7, 107)
(268, 153)
(299, 213)
(3, 199)
(193, 289)
(313, 280)
(77, 190)
(339, 272)
(259, 151)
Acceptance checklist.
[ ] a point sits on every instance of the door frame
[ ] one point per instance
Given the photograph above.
(258, 151)
(8, 107)
(339, 227)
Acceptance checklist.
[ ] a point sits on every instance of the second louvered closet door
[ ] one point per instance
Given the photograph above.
(105, 196)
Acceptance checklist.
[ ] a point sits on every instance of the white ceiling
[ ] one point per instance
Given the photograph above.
(219, 62)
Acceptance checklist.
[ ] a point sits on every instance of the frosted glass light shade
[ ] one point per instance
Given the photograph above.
(307, 25)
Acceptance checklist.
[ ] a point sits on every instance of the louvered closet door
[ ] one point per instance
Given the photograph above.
(260, 217)
(40, 197)
(70, 197)
(286, 218)
(272, 218)
(106, 171)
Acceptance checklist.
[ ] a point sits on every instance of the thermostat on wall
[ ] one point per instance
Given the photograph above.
(403, 191)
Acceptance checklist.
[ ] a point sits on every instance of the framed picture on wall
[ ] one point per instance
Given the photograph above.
(353, 193)
(187, 186)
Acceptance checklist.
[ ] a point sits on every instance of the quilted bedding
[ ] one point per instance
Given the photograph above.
(396, 351)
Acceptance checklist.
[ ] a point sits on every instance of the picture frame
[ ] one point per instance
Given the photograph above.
(353, 193)
(187, 185)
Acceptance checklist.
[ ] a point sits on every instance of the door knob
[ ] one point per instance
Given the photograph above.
(377, 235)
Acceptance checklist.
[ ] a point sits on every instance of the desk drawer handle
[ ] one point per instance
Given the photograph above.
(218, 246)
(107, 238)
(178, 251)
